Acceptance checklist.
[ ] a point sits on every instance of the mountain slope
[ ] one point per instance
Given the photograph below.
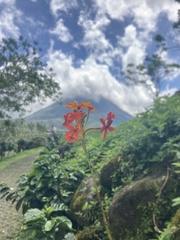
(54, 114)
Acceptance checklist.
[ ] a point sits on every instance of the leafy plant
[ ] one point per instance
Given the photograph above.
(48, 183)
(146, 145)
(43, 225)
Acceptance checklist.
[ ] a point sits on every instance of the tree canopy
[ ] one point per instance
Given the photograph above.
(24, 78)
(154, 69)
(151, 73)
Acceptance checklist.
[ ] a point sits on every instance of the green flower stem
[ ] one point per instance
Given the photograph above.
(97, 191)
(87, 118)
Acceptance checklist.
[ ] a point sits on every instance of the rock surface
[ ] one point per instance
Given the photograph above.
(132, 208)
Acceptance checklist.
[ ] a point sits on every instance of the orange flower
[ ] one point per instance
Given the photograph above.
(72, 135)
(77, 107)
(88, 106)
(81, 119)
(74, 106)
(71, 116)
(68, 119)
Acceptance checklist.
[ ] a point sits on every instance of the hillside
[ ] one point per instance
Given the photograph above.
(54, 114)
(135, 171)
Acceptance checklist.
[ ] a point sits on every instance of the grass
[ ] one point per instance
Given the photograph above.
(18, 156)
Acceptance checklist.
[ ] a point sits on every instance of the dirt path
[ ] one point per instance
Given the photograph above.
(10, 219)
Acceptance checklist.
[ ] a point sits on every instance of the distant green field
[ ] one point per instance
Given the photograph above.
(18, 156)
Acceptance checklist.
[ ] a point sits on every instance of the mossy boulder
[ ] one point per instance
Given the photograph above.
(132, 207)
(108, 170)
(83, 204)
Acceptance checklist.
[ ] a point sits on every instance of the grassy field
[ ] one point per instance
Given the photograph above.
(15, 157)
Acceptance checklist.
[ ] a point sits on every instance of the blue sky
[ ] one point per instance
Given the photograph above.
(89, 42)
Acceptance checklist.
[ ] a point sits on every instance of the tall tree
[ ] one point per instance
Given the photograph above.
(24, 78)
(153, 71)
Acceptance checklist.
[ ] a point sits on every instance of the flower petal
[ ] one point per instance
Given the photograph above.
(73, 105)
(111, 129)
(102, 129)
(110, 116)
(103, 122)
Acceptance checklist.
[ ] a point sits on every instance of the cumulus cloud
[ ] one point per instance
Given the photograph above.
(8, 14)
(57, 6)
(145, 16)
(144, 12)
(95, 74)
(116, 9)
(94, 38)
(133, 45)
(9, 2)
(94, 81)
(62, 31)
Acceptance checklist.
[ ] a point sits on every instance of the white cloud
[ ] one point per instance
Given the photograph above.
(116, 9)
(7, 16)
(94, 38)
(134, 46)
(168, 91)
(93, 81)
(167, 6)
(62, 31)
(145, 15)
(93, 76)
(62, 5)
(144, 12)
(9, 2)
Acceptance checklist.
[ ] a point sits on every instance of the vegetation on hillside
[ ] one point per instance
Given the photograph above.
(19, 135)
(146, 145)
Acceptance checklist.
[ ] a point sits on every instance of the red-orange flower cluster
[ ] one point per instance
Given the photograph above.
(79, 117)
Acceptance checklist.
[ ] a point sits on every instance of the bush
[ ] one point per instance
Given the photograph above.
(21, 145)
(36, 142)
(3, 148)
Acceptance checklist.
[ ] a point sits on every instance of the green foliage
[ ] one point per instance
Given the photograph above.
(48, 183)
(176, 201)
(19, 135)
(43, 225)
(15, 157)
(24, 78)
(173, 227)
(146, 145)
(172, 230)
(150, 139)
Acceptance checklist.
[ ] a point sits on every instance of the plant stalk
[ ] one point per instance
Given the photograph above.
(97, 191)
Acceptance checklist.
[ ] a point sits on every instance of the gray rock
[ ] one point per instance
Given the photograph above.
(131, 210)
(84, 196)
